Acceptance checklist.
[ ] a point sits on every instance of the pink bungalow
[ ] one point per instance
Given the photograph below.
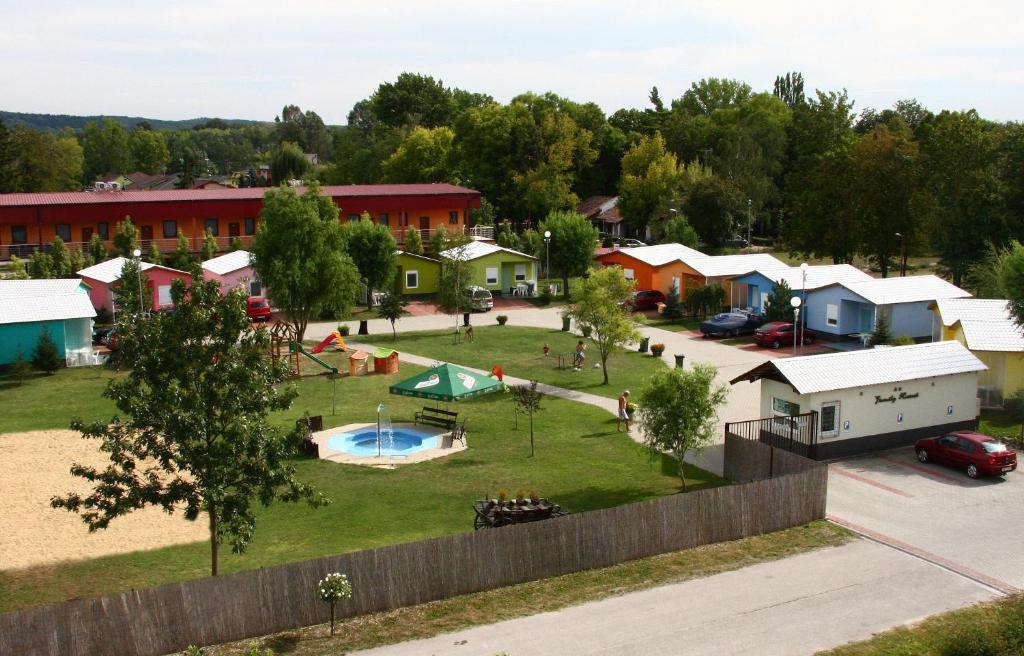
(104, 277)
(233, 270)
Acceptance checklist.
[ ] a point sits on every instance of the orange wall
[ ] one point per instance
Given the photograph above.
(644, 274)
(649, 277)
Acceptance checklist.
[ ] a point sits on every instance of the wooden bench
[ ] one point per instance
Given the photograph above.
(437, 417)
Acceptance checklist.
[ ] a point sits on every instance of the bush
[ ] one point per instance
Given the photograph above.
(47, 358)
(545, 297)
(20, 368)
(502, 319)
(657, 350)
(902, 340)
(343, 329)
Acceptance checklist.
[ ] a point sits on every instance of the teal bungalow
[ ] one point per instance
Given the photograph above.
(61, 308)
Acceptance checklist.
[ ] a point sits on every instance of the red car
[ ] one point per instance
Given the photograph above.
(647, 299)
(977, 453)
(780, 333)
(258, 309)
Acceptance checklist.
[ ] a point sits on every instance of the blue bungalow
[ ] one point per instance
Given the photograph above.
(852, 308)
(750, 291)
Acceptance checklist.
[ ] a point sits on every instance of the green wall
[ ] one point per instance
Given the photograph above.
(25, 336)
(429, 273)
(505, 263)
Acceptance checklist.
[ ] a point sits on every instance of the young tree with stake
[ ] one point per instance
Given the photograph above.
(600, 305)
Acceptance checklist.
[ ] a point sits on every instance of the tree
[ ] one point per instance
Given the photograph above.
(712, 207)
(372, 247)
(673, 305)
(195, 429)
(208, 250)
(149, 152)
(77, 260)
(650, 182)
(413, 241)
(40, 266)
(453, 285)
(182, 258)
(129, 305)
(709, 94)
(600, 305)
(527, 399)
(60, 260)
(531, 243)
(392, 307)
(572, 243)
(43, 161)
(299, 255)
(125, 238)
(679, 231)
(287, 162)
(790, 88)
(881, 335)
(413, 100)
(1011, 280)
(154, 256)
(20, 368)
(507, 238)
(678, 410)
(424, 156)
(8, 151)
(97, 249)
(1015, 407)
(106, 149)
(777, 307)
(17, 268)
(47, 358)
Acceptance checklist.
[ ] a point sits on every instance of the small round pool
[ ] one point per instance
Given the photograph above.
(363, 442)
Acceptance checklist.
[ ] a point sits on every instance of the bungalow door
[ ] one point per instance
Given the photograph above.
(146, 233)
(867, 319)
(829, 419)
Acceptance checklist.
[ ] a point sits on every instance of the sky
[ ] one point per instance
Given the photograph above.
(181, 59)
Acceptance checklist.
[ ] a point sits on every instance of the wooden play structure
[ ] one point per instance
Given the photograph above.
(285, 345)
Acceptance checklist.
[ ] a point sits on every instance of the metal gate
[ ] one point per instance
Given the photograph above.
(795, 433)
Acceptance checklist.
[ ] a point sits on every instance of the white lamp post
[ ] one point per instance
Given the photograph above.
(795, 302)
(803, 295)
(547, 249)
(138, 262)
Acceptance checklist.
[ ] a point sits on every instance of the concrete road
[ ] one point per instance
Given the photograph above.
(798, 605)
(975, 527)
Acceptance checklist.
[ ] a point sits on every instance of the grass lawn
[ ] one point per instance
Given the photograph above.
(519, 352)
(44, 402)
(999, 423)
(986, 629)
(546, 595)
(582, 464)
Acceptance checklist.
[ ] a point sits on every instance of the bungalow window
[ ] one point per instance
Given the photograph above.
(352, 218)
(412, 279)
(170, 229)
(64, 231)
(453, 218)
(832, 314)
(250, 225)
(255, 288)
(628, 274)
(163, 295)
(383, 219)
(520, 272)
(19, 234)
(104, 229)
(491, 275)
(785, 408)
(212, 226)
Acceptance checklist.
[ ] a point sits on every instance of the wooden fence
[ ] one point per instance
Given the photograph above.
(219, 609)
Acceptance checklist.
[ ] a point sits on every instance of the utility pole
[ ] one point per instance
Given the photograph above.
(750, 219)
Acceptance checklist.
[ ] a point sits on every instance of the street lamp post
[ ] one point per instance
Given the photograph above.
(795, 302)
(138, 263)
(803, 299)
(903, 254)
(750, 219)
(547, 249)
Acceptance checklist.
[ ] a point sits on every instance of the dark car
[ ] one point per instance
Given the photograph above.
(737, 241)
(99, 334)
(780, 333)
(976, 453)
(646, 299)
(257, 308)
(731, 324)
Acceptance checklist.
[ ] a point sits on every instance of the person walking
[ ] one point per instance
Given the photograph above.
(580, 356)
(623, 411)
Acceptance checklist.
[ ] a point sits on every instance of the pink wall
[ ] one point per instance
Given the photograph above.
(102, 294)
(229, 281)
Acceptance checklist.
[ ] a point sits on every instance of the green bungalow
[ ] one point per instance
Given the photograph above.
(501, 270)
(418, 274)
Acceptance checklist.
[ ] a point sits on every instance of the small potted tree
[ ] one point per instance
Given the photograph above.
(657, 350)
(332, 589)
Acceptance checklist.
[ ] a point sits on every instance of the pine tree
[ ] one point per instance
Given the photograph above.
(97, 249)
(413, 242)
(208, 250)
(60, 259)
(17, 269)
(40, 266)
(154, 256)
(47, 357)
(125, 241)
(182, 257)
(673, 306)
(20, 368)
(881, 335)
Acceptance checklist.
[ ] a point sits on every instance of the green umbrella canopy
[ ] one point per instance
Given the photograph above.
(447, 382)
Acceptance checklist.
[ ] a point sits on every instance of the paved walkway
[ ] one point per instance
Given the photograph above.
(797, 605)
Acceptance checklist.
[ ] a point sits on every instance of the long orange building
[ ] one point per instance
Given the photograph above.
(29, 220)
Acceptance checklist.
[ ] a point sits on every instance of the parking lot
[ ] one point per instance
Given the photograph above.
(972, 527)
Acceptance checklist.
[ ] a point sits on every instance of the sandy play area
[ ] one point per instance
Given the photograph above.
(35, 466)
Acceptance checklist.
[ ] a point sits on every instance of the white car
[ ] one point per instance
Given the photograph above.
(480, 299)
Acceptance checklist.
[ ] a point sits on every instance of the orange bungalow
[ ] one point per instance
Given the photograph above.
(31, 220)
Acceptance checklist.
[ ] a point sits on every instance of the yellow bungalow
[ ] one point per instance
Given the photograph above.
(986, 328)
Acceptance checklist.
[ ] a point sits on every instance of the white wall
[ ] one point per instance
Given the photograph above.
(868, 417)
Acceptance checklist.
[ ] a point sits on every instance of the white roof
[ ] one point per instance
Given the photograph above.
(993, 335)
(110, 270)
(478, 249)
(952, 310)
(661, 254)
(23, 301)
(32, 288)
(713, 266)
(228, 262)
(877, 366)
(911, 289)
(817, 275)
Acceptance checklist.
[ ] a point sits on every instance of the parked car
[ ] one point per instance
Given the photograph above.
(737, 241)
(646, 299)
(99, 334)
(110, 339)
(257, 308)
(480, 299)
(731, 324)
(632, 243)
(976, 453)
(780, 333)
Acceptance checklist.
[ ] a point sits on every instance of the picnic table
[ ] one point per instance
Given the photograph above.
(491, 513)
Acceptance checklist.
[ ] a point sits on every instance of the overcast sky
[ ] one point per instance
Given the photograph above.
(182, 59)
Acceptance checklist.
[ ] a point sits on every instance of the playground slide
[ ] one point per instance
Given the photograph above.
(333, 337)
(297, 348)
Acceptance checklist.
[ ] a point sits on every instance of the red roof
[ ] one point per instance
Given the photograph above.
(251, 193)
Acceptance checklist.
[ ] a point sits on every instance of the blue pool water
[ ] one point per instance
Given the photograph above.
(364, 442)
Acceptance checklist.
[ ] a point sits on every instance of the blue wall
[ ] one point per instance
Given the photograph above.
(849, 310)
(911, 319)
(758, 284)
(25, 336)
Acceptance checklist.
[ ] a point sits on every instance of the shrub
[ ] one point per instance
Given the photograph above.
(902, 340)
(502, 319)
(20, 368)
(545, 296)
(343, 329)
(47, 357)
(657, 350)
(587, 331)
(332, 589)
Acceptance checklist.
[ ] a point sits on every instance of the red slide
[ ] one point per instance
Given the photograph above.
(322, 345)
